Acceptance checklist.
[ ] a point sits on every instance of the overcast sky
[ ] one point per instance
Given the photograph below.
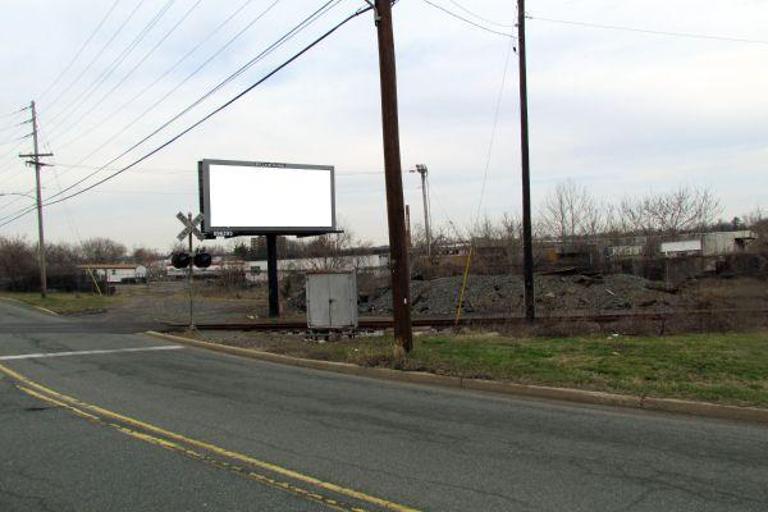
(621, 112)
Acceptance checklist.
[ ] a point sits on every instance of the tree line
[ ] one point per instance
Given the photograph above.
(19, 260)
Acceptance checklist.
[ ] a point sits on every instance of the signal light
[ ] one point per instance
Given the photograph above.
(181, 260)
(203, 260)
(184, 260)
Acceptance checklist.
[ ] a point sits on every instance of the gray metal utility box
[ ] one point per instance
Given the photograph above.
(332, 300)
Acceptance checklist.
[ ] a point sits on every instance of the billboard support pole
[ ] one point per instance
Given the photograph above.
(274, 302)
(393, 176)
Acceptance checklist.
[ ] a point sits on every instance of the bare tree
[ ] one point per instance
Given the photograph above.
(571, 212)
(684, 209)
(334, 251)
(18, 263)
(101, 250)
(757, 222)
(62, 260)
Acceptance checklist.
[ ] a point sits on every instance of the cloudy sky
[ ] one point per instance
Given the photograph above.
(622, 112)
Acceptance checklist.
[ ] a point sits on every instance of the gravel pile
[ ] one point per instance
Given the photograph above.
(503, 294)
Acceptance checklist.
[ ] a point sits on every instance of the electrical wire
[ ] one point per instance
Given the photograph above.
(79, 52)
(198, 69)
(167, 72)
(5, 155)
(494, 129)
(96, 57)
(650, 32)
(298, 28)
(467, 20)
(136, 66)
(13, 113)
(205, 118)
(13, 126)
(116, 63)
(481, 18)
(193, 170)
(17, 139)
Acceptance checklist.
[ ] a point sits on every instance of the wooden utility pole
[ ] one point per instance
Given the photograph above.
(398, 247)
(530, 303)
(40, 232)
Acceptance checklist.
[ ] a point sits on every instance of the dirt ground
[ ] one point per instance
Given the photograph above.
(168, 301)
(556, 295)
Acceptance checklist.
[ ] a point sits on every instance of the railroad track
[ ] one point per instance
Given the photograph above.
(480, 321)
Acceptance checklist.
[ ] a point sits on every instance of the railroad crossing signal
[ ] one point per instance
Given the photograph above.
(190, 226)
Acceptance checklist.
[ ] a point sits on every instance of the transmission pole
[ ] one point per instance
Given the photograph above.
(393, 176)
(422, 169)
(530, 304)
(40, 232)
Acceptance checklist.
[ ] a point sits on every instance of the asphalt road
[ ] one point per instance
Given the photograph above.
(204, 431)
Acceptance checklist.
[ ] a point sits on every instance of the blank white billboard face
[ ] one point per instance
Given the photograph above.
(247, 196)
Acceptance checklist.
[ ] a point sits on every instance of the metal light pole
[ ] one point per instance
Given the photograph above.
(422, 169)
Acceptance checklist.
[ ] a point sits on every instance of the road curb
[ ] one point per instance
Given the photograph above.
(670, 405)
(25, 304)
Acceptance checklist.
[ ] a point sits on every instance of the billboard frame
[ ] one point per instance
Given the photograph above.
(204, 175)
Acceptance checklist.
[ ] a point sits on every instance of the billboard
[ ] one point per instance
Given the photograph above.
(258, 198)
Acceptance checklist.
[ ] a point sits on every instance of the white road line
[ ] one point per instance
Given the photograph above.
(89, 352)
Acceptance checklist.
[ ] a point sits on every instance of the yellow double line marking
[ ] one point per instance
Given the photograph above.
(182, 444)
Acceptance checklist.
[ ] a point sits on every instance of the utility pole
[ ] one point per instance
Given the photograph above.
(408, 226)
(530, 304)
(393, 176)
(422, 169)
(40, 232)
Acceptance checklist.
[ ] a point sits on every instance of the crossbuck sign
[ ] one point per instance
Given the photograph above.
(190, 226)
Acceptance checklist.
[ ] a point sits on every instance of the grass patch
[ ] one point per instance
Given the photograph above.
(729, 368)
(65, 303)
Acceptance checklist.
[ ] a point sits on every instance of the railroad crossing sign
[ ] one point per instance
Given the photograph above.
(190, 226)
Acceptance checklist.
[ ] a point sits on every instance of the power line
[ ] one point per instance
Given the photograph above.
(466, 20)
(649, 31)
(12, 126)
(301, 26)
(205, 118)
(116, 63)
(17, 139)
(193, 170)
(97, 56)
(310, 18)
(481, 18)
(167, 72)
(13, 113)
(137, 65)
(79, 52)
(494, 129)
(218, 109)
(11, 151)
(189, 76)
